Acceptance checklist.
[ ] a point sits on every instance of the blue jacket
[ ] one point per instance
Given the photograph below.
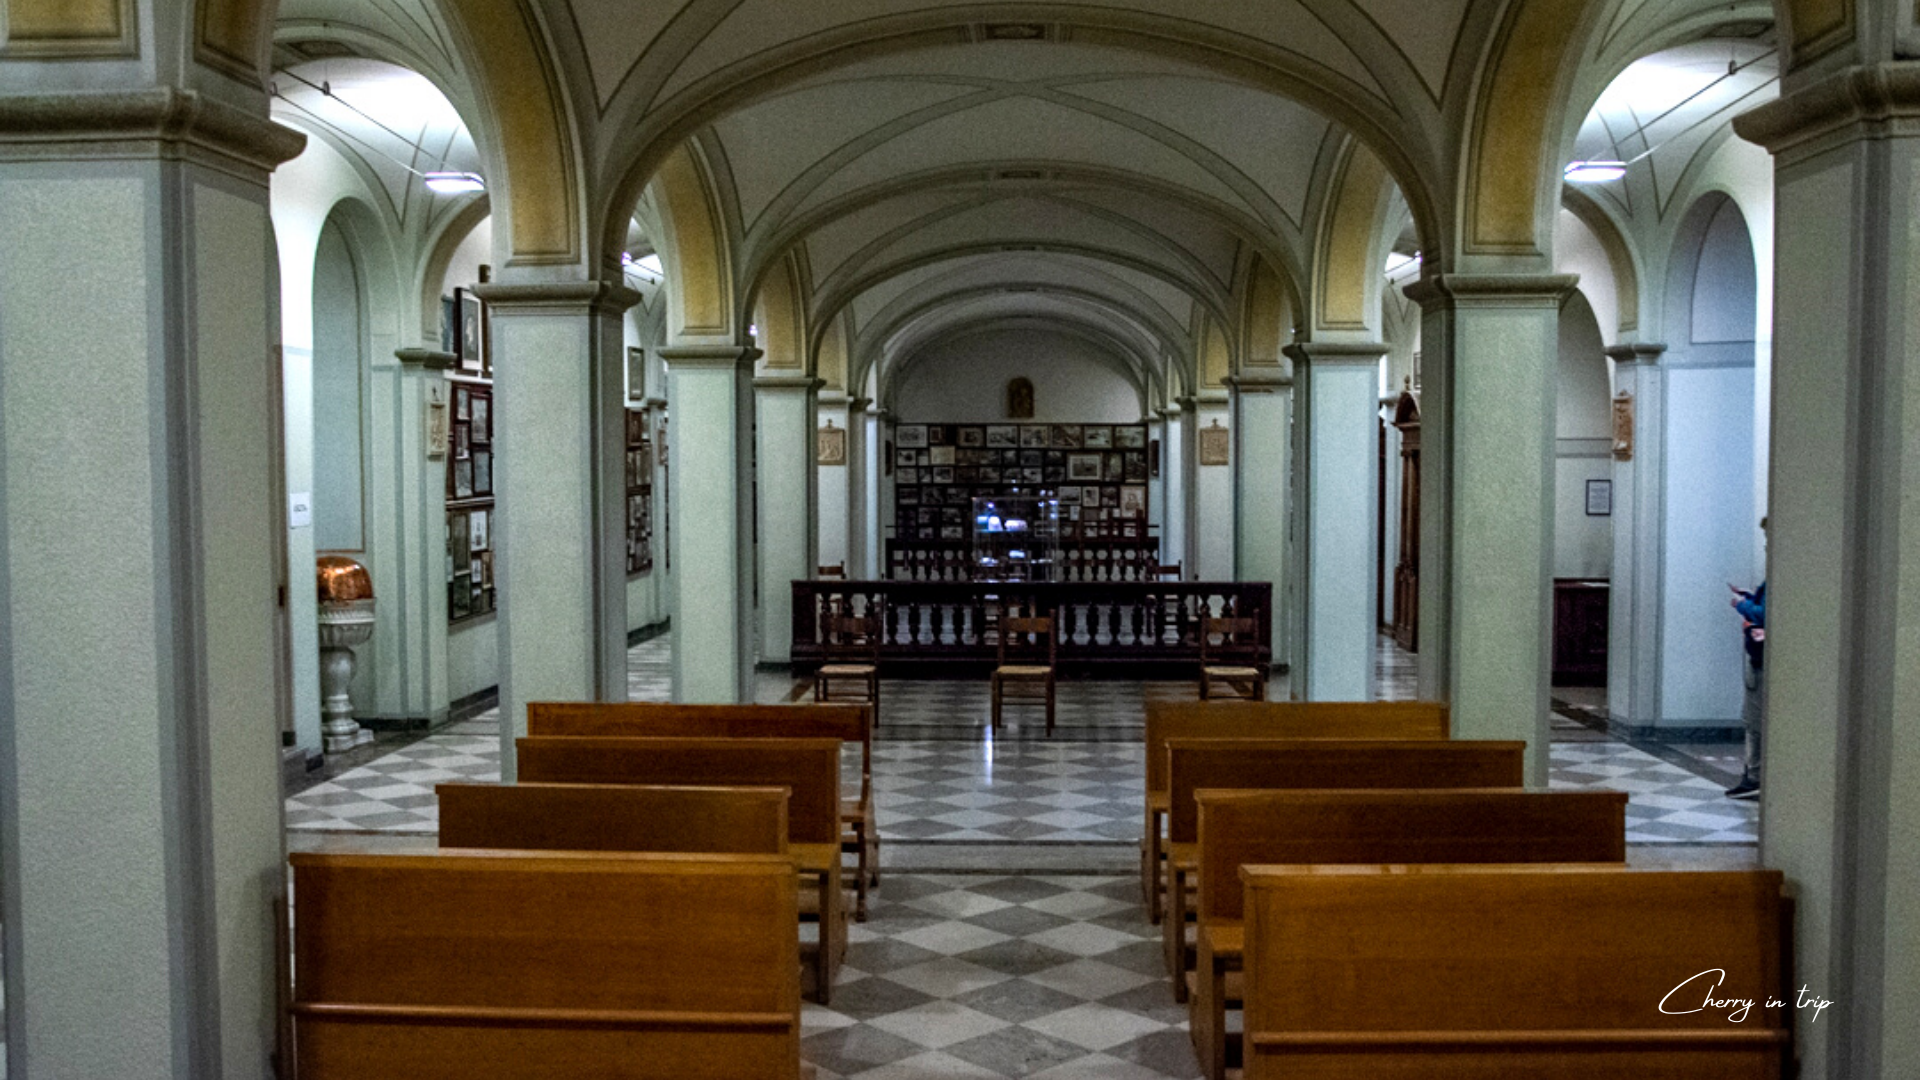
(1754, 610)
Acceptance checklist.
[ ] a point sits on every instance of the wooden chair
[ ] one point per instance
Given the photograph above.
(1237, 635)
(1167, 572)
(808, 768)
(1482, 972)
(837, 570)
(633, 719)
(1261, 720)
(852, 646)
(1240, 828)
(1020, 676)
(1281, 764)
(523, 966)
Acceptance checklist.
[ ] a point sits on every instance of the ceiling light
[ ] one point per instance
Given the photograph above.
(1595, 172)
(455, 183)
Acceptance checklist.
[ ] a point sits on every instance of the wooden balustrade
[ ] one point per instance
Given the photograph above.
(1100, 623)
(1079, 560)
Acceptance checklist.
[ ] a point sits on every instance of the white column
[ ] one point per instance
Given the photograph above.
(1841, 773)
(1263, 403)
(789, 512)
(1491, 344)
(143, 585)
(1173, 475)
(1157, 485)
(1211, 542)
(1639, 516)
(1338, 396)
(559, 479)
(413, 599)
(876, 494)
(710, 389)
(833, 536)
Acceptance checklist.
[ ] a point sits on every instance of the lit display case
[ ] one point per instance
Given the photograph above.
(1016, 537)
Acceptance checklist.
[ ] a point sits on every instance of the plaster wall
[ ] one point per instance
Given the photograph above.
(964, 380)
(1583, 544)
(473, 657)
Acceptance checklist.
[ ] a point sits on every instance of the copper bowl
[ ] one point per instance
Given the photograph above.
(342, 580)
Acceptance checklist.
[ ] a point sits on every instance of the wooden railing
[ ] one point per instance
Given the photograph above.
(1080, 560)
(1101, 623)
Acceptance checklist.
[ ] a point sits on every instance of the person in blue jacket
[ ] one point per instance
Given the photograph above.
(1752, 607)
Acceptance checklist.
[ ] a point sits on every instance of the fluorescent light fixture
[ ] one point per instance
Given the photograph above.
(455, 183)
(1595, 172)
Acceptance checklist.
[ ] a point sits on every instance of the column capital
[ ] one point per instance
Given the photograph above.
(787, 382)
(558, 297)
(426, 359)
(1636, 352)
(1870, 99)
(710, 356)
(658, 403)
(1492, 290)
(161, 121)
(1345, 353)
(1171, 411)
(837, 399)
(1258, 381)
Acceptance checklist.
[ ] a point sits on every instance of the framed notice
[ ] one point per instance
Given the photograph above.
(1214, 443)
(1599, 498)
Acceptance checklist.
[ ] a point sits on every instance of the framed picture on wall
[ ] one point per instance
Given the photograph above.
(1599, 498)
(1097, 437)
(1130, 437)
(1003, 435)
(1083, 467)
(1214, 442)
(1034, 436)
(971, 436)
(1067, 436)
(636, 373)
(471, 341)
(911, 435)
(940, 455)
(831, 448)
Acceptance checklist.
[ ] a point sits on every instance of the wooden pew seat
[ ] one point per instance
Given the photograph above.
(1278, 764)
(1240, 828)
(1485, 973)
(517, 966)
(1262, 720)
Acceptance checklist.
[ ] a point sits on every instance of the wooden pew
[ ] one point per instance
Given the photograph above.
(1477, 973)
(516, 966)
(1268, 764)
(808, 768)
(1240, 828)
(1262, 720)
(614, 817)
(848, 723)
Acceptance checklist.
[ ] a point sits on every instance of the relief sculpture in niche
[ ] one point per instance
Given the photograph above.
(1019, 400)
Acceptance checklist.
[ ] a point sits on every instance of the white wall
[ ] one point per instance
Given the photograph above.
(964, 380)
(1582, 545)
(834, 508)
(473, 657)
(338, 347)
(1576, 250)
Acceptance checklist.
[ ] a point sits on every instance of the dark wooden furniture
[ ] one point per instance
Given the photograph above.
(1581, 610)
(1079, 560)
(1142, 627)
(614, 817)
(633, 719)
(1406, 569)
(837, 570)
(1167, 572)
(1284, 764)
(1248, 681)
(852, 645)
(1029, 649)
(1464, 972)
(1240, 828)
(808, 768)
(1262, 720)
(630, 967)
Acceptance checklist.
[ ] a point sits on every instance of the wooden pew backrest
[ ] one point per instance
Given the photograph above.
(1240, 828)
(1285, 720)
(1330, 763)
(520, 966)
(1484, 972)
(808, 768)
(614, 817)
(848, 723)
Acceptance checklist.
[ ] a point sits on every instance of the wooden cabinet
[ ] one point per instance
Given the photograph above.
(1580, 614)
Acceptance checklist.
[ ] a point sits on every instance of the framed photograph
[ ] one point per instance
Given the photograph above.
(486, 569)
(922, 458)
(1003, 435)
(940, 455)
(463, 479)
(830, 445)
(907, 496)
(1031, 476)
(943, 474)
(1599, 498)
(1214, 442)
(907, 475)
(1136, 464)
(449, 320)
(1083, 466)
(1113, 467)
(989, 474)
(462, 400)
(1097, 437)
(1110, 499)
(471, 341)
(477, 538)
(1032, 459)
(939, 435)
(971, 436)
(904, 458)
(636, 373)
(1069, 496)
(462, 447)
(1133, 501)
(482, 473)
(1131, 437)
(953, 532)
(482, 408)
(911, 435)
(1033, 436)
(1067, 436)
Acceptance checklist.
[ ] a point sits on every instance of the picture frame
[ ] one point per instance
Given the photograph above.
(471, 340)
(1130, 437)
(482, 420)
(1097, 437)
(911, 435)
(971, 436)
(904, 458)
(1034, 436)
(1599, 498)
(1067, 436)
(939, 435)
(1214, 444)
(940, 455)
(1003, 435)
(482, 473)
(463, 479)
(1113, 467)
(1083, 467)
(636, 373)
(1133, 501)
(830, 445)
(943, 474)
(462, 403)
(907, 475)
(477, 536)
(1153, 459)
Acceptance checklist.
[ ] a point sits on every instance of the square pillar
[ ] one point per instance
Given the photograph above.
(1263, 403)
(1486, 502)
(1639, 513)
(710, 390)
(1210, 530)
(1338, 398)
(1173, 478)
(789, 513)
(833, 497)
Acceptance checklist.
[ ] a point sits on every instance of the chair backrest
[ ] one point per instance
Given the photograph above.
(1242, 828)
(522, 965)
(837, 570)
(1237, 634)
(1330, 763)
(1345, 964)
(614, 817)
(847, 636)
(651, 720)
(1167, 572)
(1028, 639)
(1283, 720)
(809, 768)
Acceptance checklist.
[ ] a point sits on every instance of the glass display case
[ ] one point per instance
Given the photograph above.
(1016, 537)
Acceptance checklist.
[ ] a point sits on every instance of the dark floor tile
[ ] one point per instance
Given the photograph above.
(1018, 957)
(1017, 1000)
(1016, 1052)
(854, 1049)
(1167, 1052)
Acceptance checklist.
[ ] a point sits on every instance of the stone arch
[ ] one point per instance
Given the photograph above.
(693, 244)
(1268, 314)
(1621, 255)
(1348, 270)
(440, 251)
(780, 313)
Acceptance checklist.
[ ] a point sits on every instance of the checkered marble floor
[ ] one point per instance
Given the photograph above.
(1048, 977)
(1666, 804)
